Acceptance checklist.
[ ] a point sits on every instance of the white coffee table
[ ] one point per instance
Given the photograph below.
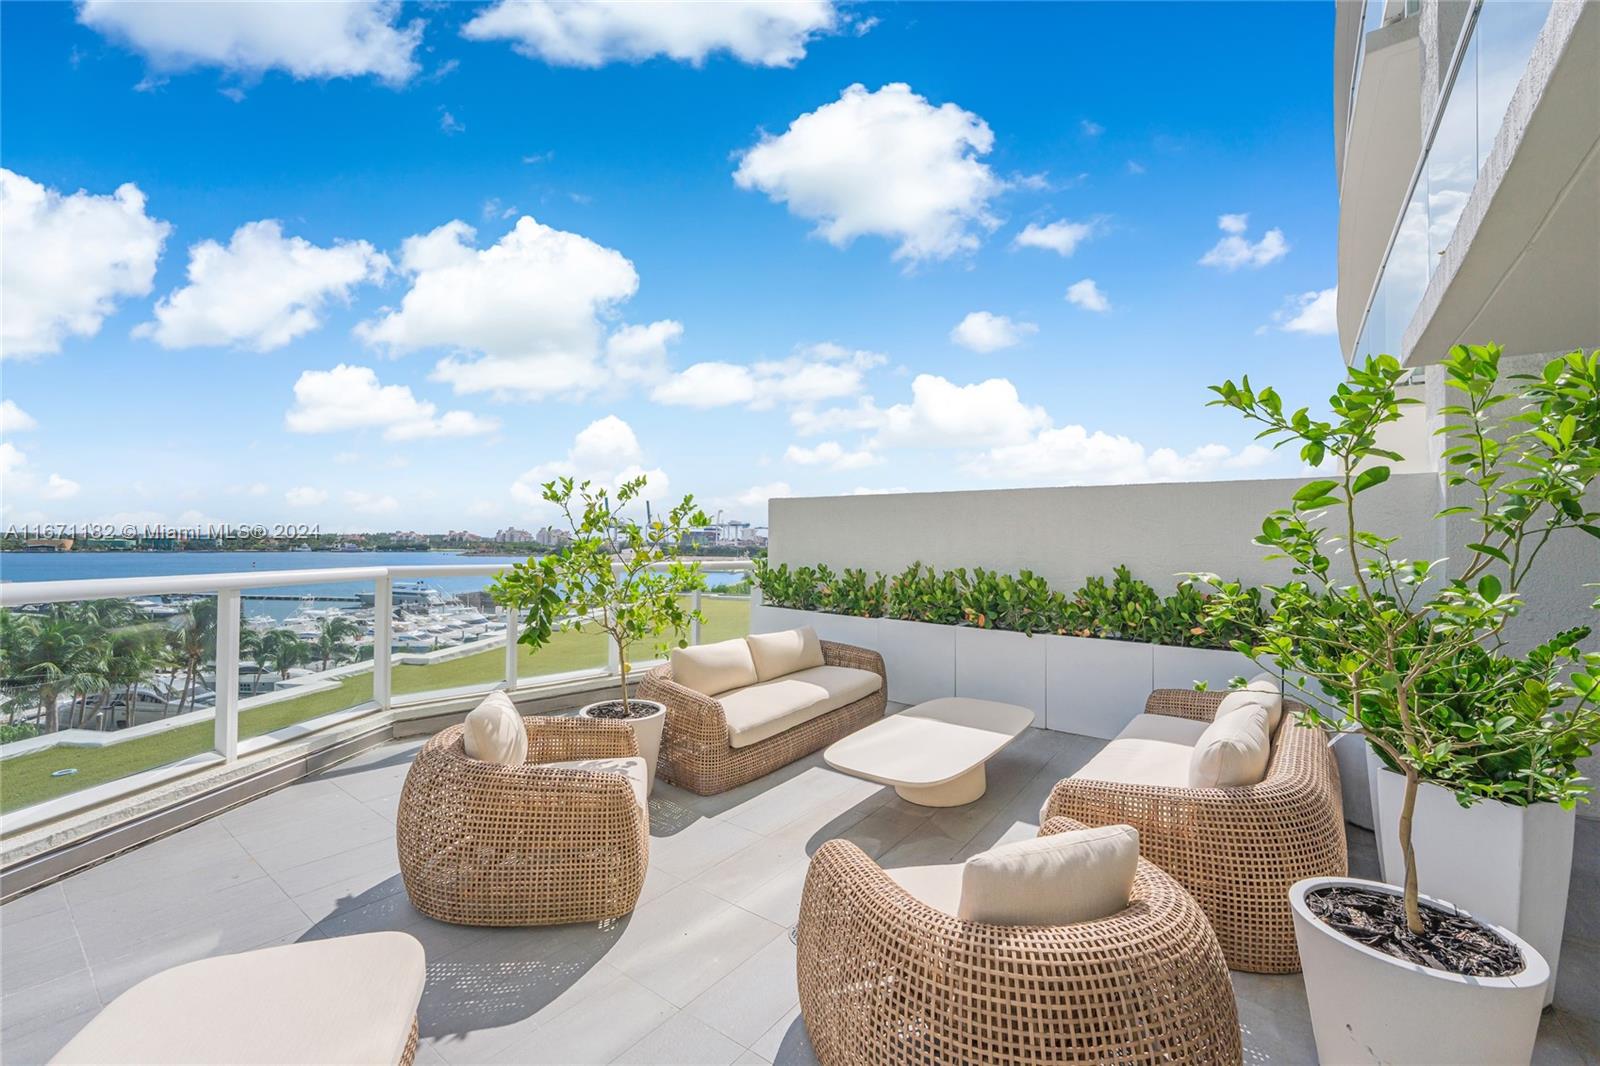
(933, 754)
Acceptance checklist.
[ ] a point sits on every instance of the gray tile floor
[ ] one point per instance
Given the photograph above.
(701, 972)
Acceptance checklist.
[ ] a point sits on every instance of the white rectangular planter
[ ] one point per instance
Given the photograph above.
(1182, 667)
(1506, 864)
(919, 658)
(766, 619)
(1097, 686)
(1007, 667)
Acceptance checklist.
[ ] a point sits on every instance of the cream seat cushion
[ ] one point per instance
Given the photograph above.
(1262, 691)
(1153, 749)
(349, 999)
(764, 710)
(712, 669)
(632, 767)
(785, 652)
(1059, 879)
(494, 732)
(1232, 751)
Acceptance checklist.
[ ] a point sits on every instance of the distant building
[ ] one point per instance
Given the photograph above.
(551, 537)
(513, 535)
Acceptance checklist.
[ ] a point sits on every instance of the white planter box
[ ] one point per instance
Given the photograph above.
(1006, 667)
(1351, 754)
(919, 658)
(1368, 1007)
(765, 619)
(845, 629)
(1508, 865)
(1182, 667)
(1097, 686)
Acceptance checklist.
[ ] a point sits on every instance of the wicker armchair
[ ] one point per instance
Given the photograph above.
(486, 844)
(886, 979)
(1237, 850)
(696, 755)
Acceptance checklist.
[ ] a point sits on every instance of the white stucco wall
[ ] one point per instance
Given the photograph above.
(1068, 534)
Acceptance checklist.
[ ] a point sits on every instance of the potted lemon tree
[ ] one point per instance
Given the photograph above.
(618, 576)
(1476, 745)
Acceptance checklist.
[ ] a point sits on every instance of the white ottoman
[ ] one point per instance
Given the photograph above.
(350, 1000)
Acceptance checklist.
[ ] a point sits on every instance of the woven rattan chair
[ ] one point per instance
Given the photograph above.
(486, 844)
(887, 979)
(1237, 850)
(696, 755)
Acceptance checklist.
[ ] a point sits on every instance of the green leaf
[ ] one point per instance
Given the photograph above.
(1372, 475)
(1491, 551)
(1314, 490)
(1489, 587)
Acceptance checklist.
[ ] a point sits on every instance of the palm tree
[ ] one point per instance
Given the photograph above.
(50, 654)
(197, 639)
(334, 636)
(283, 650)
(252, 644)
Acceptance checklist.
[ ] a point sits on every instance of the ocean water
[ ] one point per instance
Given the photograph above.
(66, 566)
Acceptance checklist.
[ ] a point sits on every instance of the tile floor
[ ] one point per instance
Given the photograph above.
(701, 972)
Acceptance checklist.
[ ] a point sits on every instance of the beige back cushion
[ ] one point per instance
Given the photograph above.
(1232, 751)
(1262, 691)
(785, 652)
(713, 668)
(1052, 880)
(494, 732)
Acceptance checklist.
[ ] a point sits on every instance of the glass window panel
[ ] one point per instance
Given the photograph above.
(1453, 158)
(446, 635)
(126, 681)
(304, 651)
(1406, 274)
(1505, 35)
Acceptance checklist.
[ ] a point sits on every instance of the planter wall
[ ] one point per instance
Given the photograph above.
(995, 665)
(1507, 865)
(1097, 686)
(920, 659)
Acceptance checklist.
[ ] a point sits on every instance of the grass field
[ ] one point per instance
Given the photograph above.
(25, 780)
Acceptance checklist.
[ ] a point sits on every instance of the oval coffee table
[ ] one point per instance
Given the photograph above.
(933, 753)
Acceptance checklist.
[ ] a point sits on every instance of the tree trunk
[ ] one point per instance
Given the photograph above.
(1407, 809)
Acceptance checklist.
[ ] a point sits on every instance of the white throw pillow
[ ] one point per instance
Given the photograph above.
(1232, 751)
(1262, 691)
(713, 668)
(495, 732)
(785, 652)
(1052, 880)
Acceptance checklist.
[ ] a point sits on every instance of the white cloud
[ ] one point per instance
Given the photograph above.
(1135, 167)
(1061, 237)
(306, 40)
(884, 163)
(1087, 295)
(350, 397)
(68, 260)
(984, 332)
(1309, 312)
(863, 490)
(942, 414)
(866, 414)
(14, 419)
(523, 316)
(755, 499)
(261, 291)
(1090, 127)
(605, 452)
(592, 33)
(57, 487)
(833, 455)
(1073, 455)
(814, 373)
(305, 496)
(371, 502)
(449, 125)
(639, 353)
(1236, 250)
(12, 461)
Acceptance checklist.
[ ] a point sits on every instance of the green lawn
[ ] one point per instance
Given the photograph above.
(26, 780)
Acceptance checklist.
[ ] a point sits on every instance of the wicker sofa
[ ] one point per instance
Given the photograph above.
(886, 978)
(534, 844)
(1236, 849)
(705, 750)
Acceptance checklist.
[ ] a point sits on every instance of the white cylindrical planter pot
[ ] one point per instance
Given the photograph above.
(1506, 864)
(1369, 1007)
(646, 731)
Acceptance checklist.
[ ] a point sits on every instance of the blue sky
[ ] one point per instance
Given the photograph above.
(747, 249)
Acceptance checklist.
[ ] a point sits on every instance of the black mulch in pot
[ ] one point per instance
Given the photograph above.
(1450, 941)
(615, 709)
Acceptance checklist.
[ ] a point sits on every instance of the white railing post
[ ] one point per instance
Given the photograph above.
(382, 641)
(226, 728)
(513, 620)
(613, 659)
(694, 624)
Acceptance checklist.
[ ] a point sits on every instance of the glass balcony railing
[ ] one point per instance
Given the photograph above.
(1501, 38)
(108, 687)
